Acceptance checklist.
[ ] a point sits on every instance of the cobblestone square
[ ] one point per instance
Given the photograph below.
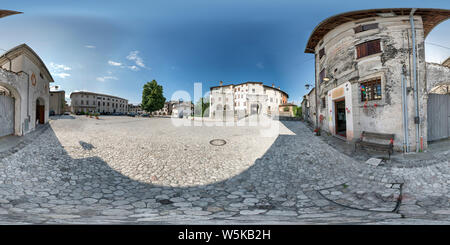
(79, 170)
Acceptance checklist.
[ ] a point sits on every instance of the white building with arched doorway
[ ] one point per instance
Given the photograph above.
(24, 91)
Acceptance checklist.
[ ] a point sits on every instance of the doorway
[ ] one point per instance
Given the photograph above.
(340, 117)
(40, 111)
(438, 109)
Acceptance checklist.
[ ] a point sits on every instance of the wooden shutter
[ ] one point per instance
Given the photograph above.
(321, 75)
(361, 50)
(358, 29)
(373, 47)
(321, 53)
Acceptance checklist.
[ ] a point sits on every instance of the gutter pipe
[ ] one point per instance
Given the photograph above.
(416, 93)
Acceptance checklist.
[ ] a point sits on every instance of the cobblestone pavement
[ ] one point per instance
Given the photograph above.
(145, 170)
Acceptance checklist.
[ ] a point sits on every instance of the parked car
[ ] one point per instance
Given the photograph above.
(66, 113)
(145, 115)
(131, 115)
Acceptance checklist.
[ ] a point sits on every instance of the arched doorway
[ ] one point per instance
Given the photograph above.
(254, 109)
(40, 111)
(7, 112)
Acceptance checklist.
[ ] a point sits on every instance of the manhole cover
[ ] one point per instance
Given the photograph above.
(218, 142)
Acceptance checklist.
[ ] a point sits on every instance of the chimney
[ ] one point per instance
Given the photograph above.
(278, 87)
(221, 83)
(273, 85)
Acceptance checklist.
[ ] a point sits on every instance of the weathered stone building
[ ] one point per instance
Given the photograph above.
(228, 101)
(24, 86)
(309, 107)
(97, 103)
(371, 73)
(57, 102)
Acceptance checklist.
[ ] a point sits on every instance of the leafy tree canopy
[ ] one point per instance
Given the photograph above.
(152, 97)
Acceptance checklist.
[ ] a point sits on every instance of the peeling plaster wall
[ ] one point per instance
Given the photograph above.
(341, 65)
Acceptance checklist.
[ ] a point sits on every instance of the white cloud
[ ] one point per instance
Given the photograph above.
(133, 68)
(133, 56)
(61, 75)
(59, 67)
(260, 65)
(89, 46)
(59, 70)
(113, 63)
(105, 78)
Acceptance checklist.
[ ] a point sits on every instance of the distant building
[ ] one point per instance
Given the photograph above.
(245, 99)
(24, 91)
(84, 101)
(286, 110)
(309, 107)
(446, 62)
(180, 108)
(166, 110)
(57, 102)
(135, 109)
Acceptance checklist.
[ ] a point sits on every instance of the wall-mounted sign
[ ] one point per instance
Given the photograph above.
(33, 79)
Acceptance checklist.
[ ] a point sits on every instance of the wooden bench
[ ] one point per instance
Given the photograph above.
(389, 147)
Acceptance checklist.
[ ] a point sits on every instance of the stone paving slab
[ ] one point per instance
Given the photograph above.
(121, 170)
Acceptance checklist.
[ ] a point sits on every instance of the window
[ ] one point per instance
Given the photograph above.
(371, 90)
(322, 75)
(99, 103)
(82, 102)
(271, 99)
(324, 103)
(253, 90)
(40, 74)
(321, 53)
(103, 103)
(367, 27)
(368, 48)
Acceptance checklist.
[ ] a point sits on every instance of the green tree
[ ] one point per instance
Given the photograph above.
(201, 107)
(297, 111)
(152, 97)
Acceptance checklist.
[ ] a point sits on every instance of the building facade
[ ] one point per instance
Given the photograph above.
(371, 73)
(182, 108)
(228, 101)
(57, 102)
(24, 91)
(89, 102)
(166, 110)
(135, 109)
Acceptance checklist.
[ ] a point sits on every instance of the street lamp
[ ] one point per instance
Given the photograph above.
(307, 86)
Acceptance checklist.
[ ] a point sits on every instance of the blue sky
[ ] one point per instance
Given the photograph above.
(115, 47)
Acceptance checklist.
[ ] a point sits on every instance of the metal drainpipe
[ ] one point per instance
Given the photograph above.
(316, 95)
(416, 94)
(405, 112)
